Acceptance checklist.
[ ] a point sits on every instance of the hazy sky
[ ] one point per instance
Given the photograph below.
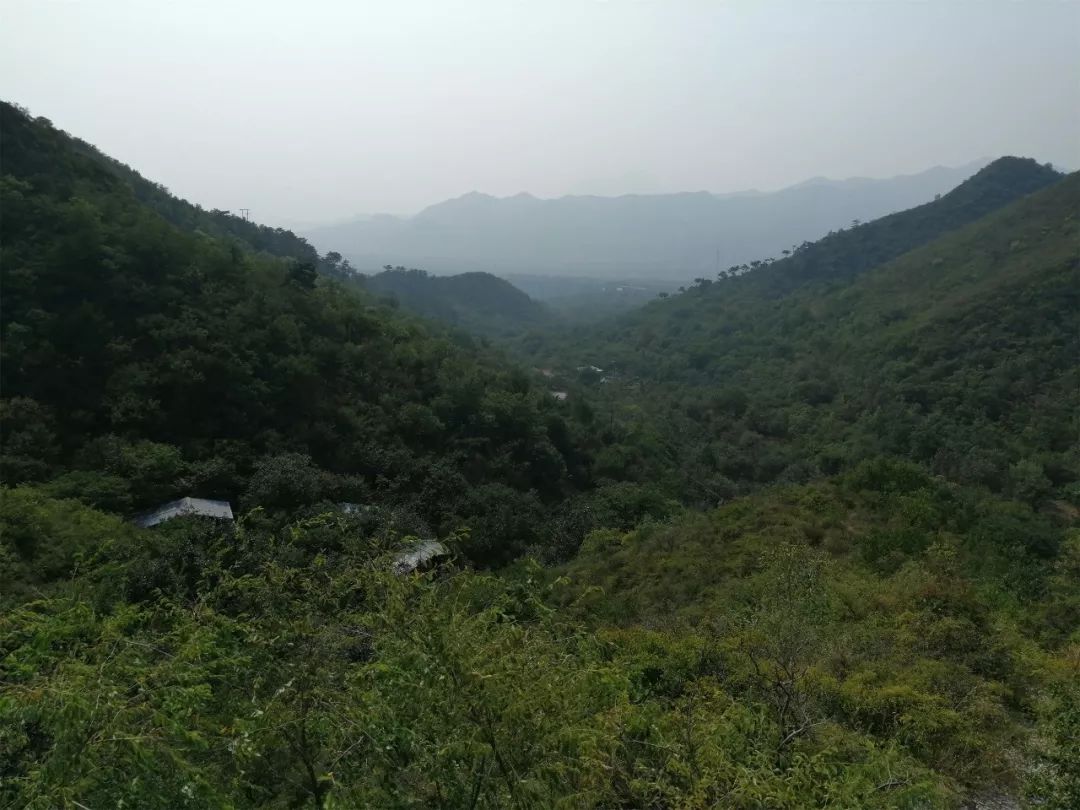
(316, 110)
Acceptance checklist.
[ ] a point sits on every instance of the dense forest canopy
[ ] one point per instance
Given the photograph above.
(804, 535)
(960, 354)
(142, 361)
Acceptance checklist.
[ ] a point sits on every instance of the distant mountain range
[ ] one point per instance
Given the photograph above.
(660, 236)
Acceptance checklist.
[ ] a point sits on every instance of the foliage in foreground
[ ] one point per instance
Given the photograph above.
(201, 666)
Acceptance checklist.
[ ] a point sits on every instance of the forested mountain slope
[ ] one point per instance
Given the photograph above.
(142, 362)
(841, 256)
(960, 354)
(478, 303)
(53, 160)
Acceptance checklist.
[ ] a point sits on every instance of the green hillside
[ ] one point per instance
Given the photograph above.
(809, 539)
(142, 362)
(845, 254)
(477, 303)
(888, 601)
(843, 643)
(960, 354)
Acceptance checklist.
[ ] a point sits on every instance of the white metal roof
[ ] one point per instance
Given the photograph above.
(185, 506)
(424, 553)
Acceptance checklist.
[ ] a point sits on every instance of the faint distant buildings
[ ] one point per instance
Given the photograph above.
(185, 506)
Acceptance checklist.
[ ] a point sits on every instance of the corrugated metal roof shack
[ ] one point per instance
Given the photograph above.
(185, 506)
(420, 557)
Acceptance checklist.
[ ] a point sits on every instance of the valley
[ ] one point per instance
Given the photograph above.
(804, 532)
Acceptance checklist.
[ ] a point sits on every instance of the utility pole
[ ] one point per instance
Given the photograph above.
(244, 212)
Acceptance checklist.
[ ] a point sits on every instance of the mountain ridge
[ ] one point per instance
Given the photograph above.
(32, 146)
(973, 165)
(663, 236)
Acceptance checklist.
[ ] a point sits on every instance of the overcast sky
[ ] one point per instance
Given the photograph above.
(314, 111)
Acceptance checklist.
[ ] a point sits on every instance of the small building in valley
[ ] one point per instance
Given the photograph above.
(185, 506)
(419, 557)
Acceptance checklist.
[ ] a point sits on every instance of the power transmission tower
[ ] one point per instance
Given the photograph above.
(244, 212)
